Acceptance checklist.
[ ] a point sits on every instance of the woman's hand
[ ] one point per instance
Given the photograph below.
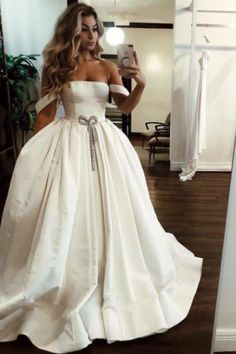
(133, 71)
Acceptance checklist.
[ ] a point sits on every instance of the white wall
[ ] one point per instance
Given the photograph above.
(28, 25)
(221, 78)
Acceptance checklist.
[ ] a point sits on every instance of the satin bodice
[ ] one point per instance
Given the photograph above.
(83, 98)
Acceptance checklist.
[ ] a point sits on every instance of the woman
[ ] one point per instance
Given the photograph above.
(82, 253)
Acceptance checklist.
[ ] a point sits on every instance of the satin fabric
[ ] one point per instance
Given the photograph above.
(82, 253)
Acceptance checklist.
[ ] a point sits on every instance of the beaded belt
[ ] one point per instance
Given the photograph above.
(93, 137)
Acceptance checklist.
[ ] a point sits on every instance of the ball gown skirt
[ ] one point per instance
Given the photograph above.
(82, 253)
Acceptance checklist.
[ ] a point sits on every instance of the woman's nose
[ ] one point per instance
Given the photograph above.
(90, 34)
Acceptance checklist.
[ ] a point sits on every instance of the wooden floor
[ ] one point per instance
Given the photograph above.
(195, 212)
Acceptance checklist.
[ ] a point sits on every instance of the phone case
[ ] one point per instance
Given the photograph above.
(125, 54)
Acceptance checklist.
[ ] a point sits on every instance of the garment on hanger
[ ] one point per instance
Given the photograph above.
(197, 127)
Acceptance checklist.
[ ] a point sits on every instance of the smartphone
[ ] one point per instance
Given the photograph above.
(125, 54)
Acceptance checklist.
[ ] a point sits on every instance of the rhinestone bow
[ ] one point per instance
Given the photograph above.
(93, 137)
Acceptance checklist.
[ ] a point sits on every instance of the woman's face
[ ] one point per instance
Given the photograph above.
(89, 33)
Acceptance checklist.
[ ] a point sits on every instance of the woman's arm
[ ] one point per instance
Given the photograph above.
(127, 103)
(47, 114)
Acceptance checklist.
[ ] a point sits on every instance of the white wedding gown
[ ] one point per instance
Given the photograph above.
(82, 253)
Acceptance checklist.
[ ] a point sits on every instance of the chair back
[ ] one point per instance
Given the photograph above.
(167, 121)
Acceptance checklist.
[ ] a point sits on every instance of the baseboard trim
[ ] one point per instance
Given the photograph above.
(225, 340)
(205, 167)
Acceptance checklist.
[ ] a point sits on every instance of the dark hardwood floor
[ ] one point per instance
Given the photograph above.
(195, 212)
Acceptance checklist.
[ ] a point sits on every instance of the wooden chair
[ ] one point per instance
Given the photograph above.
(160, 140)
(149, 133)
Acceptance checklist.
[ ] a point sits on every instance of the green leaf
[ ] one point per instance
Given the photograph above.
(21, 71)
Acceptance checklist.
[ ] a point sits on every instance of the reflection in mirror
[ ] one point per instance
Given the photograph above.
(212, 35)
(225, 316)
(99, 239)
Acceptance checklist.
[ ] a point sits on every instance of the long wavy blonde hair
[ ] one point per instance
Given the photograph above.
(62, 51)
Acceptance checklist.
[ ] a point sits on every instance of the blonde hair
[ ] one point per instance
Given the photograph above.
(62, 51)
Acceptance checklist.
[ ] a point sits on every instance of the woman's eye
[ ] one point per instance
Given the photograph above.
(85, 29)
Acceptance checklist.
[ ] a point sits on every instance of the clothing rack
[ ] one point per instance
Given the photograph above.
(209, 47)
(215, 25)
(213, 11)
(218, 11)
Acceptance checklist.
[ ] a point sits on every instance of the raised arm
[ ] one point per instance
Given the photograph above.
(46, 108)
(126, 103)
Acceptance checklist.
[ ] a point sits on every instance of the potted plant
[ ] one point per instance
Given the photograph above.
(21, 74)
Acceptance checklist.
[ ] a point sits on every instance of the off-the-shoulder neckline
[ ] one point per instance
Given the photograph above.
(96, 82)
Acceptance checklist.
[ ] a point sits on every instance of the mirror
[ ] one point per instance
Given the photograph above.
(224, 314)
(194, 212)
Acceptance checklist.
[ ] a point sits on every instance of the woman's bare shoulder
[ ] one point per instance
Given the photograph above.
(107, 63)
(110, 68)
